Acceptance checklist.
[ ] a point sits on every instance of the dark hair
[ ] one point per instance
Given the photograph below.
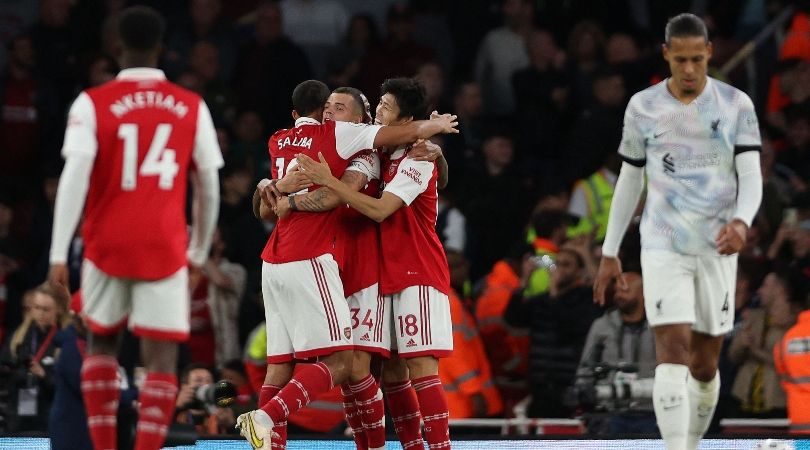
(308, 96)
(547, 221)
(685, 25)
(575, 254)
(794, 282)
(236, 365)
(190, 368)
(357, 95)
(141, 28)
(410, 95)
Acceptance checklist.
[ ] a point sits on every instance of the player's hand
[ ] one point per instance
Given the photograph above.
(448, 122)
(610, 268)
(268, 192)
(59, 275)
(282, 208)
(424, 150)
(293, 181)
(194, 276)
(731, 238)
(317, 172)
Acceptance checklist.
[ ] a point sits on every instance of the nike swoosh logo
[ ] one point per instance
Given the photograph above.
(658, 135)
(255, 441)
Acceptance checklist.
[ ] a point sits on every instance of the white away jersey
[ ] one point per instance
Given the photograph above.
(689, 154)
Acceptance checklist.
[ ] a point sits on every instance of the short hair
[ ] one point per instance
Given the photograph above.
(308, 96)
(184, 374)
(357, 96)
(685, 25)
(141, 28)
(547, 221)
(410, 95)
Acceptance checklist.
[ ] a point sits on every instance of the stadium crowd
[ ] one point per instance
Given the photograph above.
(540, 90)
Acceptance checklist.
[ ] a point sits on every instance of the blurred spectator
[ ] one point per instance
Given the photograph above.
(558, 322)
(797, 154)
(623, 54)
(431, 75)
(399, 54)
(756, 386)
(18, 16)
(494, 200)
(793, 366)
(591, 199)
(542, 100)
(55, 39)
(462, 148)
(203, 23)
(507, 347)
(268, 69)
(99, 70)
(317, 26)
(225, 287)
(343, 64)
(621, 337)
(204, 61)
(547, 234)
(451, 226)
(236, 180)
(502, 53)
(430, 18)
(189, 408)
(28, 135)
(779, 185)
(250, 144)
(28, 361)
(797, 235)
(585, 53)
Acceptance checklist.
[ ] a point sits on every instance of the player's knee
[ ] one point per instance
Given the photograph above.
(394, 370)
(340, 365)
(423, 366)
(702, 369)
(361, 365)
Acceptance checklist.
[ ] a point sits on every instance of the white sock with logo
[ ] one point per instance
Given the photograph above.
(671, 404)
(702, 402)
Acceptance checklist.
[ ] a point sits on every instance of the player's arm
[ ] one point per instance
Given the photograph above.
(207, 159)
(79, 150)
(393, 136)
(377, 209)
(323, 199)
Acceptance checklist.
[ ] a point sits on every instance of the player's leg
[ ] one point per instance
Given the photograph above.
(669, 299)
(715, 285)
(424, 319)
(370, 335)
(402, 400)
(105, 305)
(160, 311)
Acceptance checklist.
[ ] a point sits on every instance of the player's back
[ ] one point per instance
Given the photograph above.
(303, 235)
(134, 224)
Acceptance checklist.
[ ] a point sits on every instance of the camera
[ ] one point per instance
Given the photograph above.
(209, 396)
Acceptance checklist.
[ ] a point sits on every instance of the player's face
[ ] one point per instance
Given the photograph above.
(342, 107)
(388, 111)
(688, 59)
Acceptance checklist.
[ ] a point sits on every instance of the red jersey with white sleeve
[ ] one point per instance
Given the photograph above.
(143, 133)
(360, 236)
(412, 254)
(306, 235)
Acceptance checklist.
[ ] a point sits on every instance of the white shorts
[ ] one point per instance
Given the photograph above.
(371, 320)
(421, 323)
(157, 309)
(305, 311)
(698, 290)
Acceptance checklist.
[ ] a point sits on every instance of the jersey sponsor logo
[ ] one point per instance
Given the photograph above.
(305, 142)
(669, 163)
(413, 174)
(148, 99)
(410, 343)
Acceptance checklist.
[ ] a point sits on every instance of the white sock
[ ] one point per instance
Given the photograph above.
(702, 402)
(671, 404)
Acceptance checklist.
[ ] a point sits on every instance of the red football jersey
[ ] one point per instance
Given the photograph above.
(306, 235)
(360, 236)
(412, 254)
(146, 131)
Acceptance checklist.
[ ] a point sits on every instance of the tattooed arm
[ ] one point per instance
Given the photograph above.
(321, 199)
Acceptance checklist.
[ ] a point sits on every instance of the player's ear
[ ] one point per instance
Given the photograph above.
(665, 51)
(709, 49)
(295, 115)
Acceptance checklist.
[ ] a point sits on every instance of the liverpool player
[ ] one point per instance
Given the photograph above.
(414, 269)
(306, 313)
(129, 147)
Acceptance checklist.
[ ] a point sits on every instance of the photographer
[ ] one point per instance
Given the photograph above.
(202, 403)
(190, 409)
(620, 349)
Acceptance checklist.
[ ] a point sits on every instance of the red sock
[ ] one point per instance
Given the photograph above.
(433, 406)
(353, 417)
(312, 381)
(265, 395)
(370, 405)
(101, 390)
(156, 412)
(404, 408)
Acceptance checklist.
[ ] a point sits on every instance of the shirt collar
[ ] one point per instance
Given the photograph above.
(306, 120)
(141, 73)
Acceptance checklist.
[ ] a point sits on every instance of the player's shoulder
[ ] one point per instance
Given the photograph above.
(648, 95)
(729, 92)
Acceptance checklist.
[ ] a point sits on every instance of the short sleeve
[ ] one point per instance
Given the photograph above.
(411, 180)
(207, 154)
(80, 134)
(351, 138)
(367, 163)
(747, 138)
(632, 148)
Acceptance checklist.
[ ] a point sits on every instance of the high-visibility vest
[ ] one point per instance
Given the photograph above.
(507, 347)
(322, 414)
(466, 371)
(540, 279)
(599, 194)
(792, 360)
